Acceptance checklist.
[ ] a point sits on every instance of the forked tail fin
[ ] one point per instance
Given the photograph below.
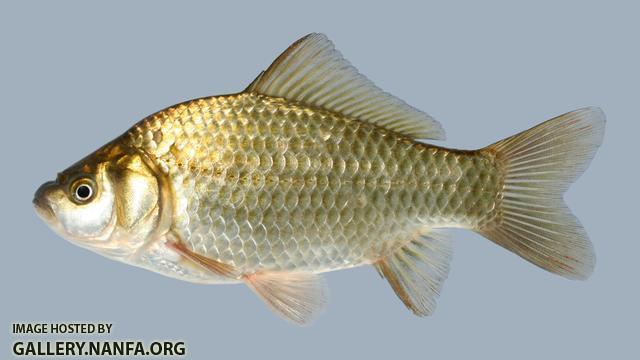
(538, 166)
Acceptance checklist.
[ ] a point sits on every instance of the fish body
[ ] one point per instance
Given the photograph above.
(254, 188)
(312, 169)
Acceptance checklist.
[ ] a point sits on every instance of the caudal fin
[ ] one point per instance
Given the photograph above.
(538, 166)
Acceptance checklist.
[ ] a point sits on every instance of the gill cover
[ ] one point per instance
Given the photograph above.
(121, 209)
(137, 193)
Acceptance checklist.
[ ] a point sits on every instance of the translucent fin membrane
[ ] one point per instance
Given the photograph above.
(296, 297)
(417, 270)
(313, 72)
(539, 165)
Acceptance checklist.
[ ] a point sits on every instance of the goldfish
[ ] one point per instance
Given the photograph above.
(313, 168)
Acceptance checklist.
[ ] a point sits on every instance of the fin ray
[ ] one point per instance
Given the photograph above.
(212, 265)
(296, 297)
(313, 72)
(539, 165)
(417, 270)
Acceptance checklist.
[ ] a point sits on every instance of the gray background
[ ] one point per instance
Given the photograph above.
(74, 75)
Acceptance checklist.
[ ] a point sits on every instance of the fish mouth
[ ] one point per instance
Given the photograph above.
(42, 206)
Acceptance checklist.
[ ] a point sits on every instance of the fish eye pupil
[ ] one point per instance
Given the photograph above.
(83, 192)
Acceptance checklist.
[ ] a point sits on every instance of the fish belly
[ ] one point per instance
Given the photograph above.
(265, 184)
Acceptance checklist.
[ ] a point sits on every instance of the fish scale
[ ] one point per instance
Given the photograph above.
(267, 184)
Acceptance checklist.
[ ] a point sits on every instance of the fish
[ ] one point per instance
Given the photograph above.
(313, 168)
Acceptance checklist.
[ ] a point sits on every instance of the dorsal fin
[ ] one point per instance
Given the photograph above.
(313, 72)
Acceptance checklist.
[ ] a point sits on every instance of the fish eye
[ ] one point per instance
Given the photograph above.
(83, 190)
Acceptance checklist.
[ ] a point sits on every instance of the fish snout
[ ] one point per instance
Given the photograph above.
(41, 200)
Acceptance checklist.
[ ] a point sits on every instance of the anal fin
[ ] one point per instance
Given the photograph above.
(296, 297)
(417, 270)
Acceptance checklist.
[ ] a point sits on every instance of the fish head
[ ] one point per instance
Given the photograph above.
(108, 202)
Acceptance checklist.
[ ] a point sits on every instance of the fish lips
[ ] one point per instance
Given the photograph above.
(46, 210)
(42, 205)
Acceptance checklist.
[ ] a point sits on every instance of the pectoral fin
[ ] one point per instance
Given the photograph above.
(296, 297)
(208, 264)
